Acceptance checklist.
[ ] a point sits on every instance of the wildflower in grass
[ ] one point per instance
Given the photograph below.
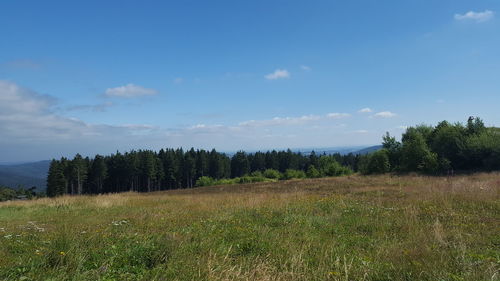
(8, 236)
(118, 223)
(38, 253)
(62, 253)
(334, 273)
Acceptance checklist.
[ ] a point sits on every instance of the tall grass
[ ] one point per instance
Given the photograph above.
(348, 228)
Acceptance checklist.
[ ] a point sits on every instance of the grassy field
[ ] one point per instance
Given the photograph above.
(348, 228)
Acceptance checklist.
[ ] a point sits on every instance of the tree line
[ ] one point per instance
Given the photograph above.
(147, 170)
(442, 149)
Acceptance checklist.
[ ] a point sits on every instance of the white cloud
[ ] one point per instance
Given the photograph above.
(24, 64)
(276, 121)
(305, 68)
(138, 126)
(365, 110)
(338, 115)
(476, 16)
(31, 128)
(102, 107)
(385, 114)
(278, 74)
(130, 91)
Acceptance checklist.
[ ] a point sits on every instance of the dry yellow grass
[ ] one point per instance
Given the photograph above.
(348, 228)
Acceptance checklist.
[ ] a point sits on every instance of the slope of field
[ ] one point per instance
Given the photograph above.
(349, 228)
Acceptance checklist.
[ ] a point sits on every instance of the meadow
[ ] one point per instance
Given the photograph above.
(344, 228)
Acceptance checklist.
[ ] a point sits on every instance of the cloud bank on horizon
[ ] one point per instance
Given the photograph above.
(28, 118)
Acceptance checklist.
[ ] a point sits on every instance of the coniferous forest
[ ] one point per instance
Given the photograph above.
(147, 170)
(442, 149)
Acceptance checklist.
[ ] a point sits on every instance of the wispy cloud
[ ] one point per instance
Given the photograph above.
(90, 107)
(305, 68)
(384, 114)
(27, 64)
(476, 16)
(28, 116)
(130, 91)
(365, 110)
(337, 115)
(280, 121)
(278, 74)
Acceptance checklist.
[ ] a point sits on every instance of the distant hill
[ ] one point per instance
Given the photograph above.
(341, 150)
(368, 149)
(25, 175)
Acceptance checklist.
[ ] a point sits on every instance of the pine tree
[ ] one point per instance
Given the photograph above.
(56, 183)
(97, 175)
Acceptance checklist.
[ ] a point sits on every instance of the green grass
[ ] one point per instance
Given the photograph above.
(349, 228)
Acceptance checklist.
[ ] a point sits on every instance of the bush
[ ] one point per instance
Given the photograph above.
(228, 181)
(206, 181)
(293, 174)
(430, 163)
(7, 193)
(312, 172)
(272, 174)
(334, 169)
(378, 162)
(257, 174)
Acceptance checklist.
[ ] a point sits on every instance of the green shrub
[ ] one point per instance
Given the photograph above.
(334, 169)
(206, 181)
(293, 174)
(378, 162)
(312, 172)
(272, 174)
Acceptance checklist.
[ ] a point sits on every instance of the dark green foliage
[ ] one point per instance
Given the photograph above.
(415, 153)
(7, 193)
(483, 150)
(440, 149)
(272, 174)
(393, 149)
(293, 174)
(56, 181)
(239, 164)
(378, 162)
(330, 167)
(97, 174)
(205, 181)
(312, 172)
(146, 170)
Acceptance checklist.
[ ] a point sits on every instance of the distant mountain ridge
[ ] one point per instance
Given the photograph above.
(341, 150)
(344, 150)
(25, 175)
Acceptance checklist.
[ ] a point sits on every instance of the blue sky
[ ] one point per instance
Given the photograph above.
(100, 76)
